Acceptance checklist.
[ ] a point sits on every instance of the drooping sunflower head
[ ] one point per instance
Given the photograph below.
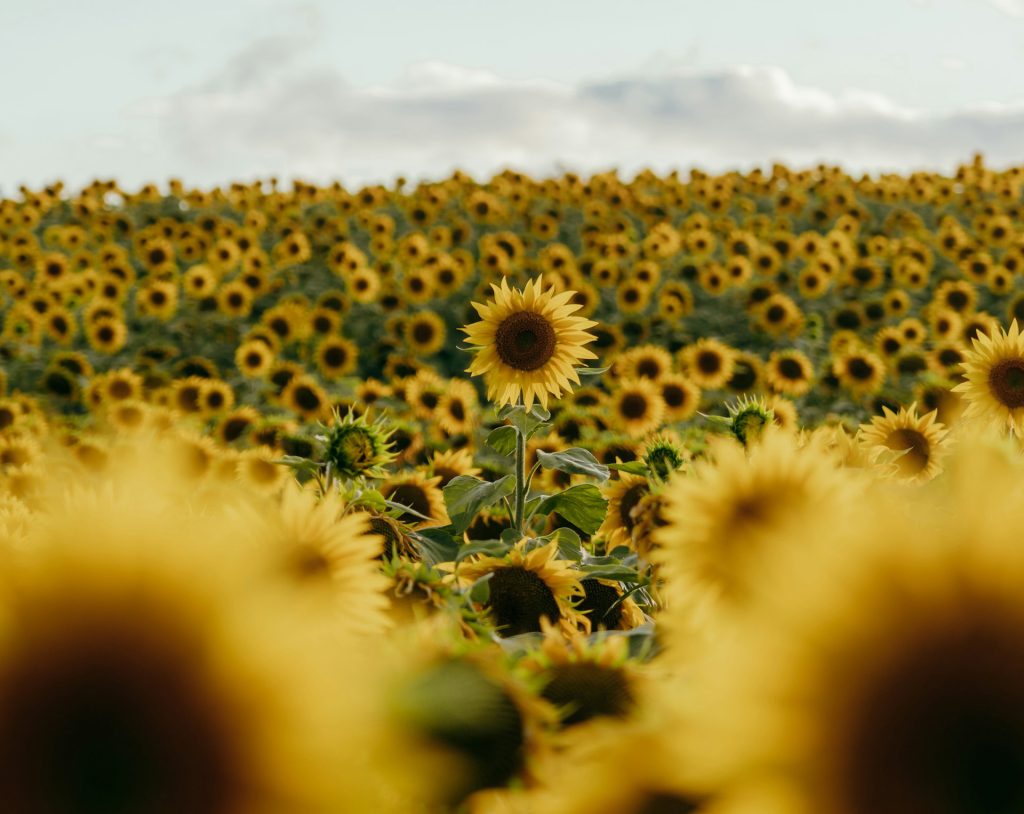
(749, 418)
(529, 344)
(663, 456)
(356, 447)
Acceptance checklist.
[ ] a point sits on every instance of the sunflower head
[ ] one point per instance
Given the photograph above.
(356, 447)
(663, 457)
(529, 344)
(748, 419)
(994, 371)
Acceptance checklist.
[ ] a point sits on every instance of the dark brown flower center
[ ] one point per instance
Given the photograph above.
(648, 368)
(112, 721)
(600, 604)
(629, 502)
(918, 450)
(413, 496)
(525, 340)
(860, 369)
(709, 362)
(942, 729)
(1006, 381)
(584, 691)
(423, 333)
(791, 369)
(661, 802)
(519, 599)
(307, 398)
(633, 406)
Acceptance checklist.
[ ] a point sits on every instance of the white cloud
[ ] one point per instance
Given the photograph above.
(1015, 8)
(268, 113)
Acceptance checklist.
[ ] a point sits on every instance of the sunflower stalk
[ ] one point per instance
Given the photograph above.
(521, 482)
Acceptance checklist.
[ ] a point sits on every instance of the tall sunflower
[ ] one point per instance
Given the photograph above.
(529, 344)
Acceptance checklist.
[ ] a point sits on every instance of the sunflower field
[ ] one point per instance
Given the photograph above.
(676, 495)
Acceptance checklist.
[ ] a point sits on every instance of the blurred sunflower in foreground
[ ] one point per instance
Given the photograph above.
(916, 705)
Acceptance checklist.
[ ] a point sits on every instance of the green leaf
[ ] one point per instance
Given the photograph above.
(592, 371)
(437, 545)
(540, 429)
(480, 591)
(632, 467)
(510, 536)
(523, 421)
(298, 464)
(465, 495)
(575, 461)
(570, 547)
(619, 573)
(489, 548)
(502, 440)
(584, 506)
(533, 504)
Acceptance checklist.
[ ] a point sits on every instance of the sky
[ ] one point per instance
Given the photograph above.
(218, 90)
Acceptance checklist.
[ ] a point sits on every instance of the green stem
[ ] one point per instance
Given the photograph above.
(520, 480)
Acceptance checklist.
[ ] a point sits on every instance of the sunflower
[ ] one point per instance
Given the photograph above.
(137, 678)
(235, 425)
(681, 397)
(583, 680)
(355, 447)
(622, 768)
(860, 371)
(607, 607)
(321, 548)
(254, 359)
(216, 396)
(529, 344)
(623, 495)
(526, 587)
(914, 706)
(423, 393)
(418, 499)
(425, 333)
(448, 464)
(728, 517)
(790, 372)
(107, 335)
(336, 357)
(708, 363)
(456, 411)
(919, 442)
(647, 361)
(637, 406)
(305, 396)
(994, 371)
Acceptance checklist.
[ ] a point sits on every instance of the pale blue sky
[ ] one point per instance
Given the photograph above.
(144, 89)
